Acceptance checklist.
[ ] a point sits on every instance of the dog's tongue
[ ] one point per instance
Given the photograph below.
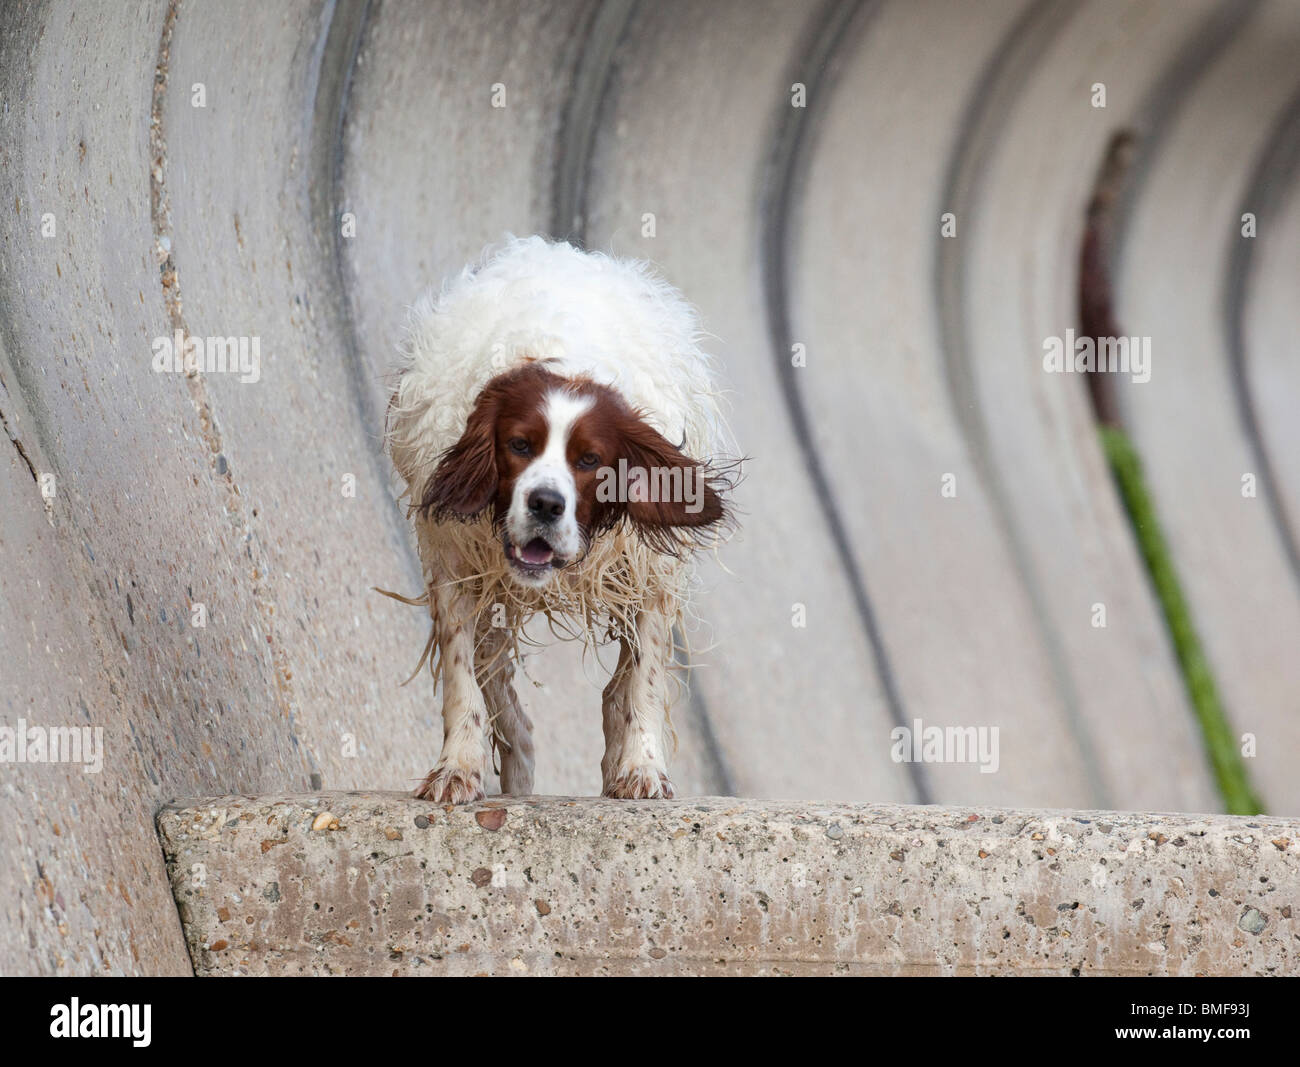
(536, 551)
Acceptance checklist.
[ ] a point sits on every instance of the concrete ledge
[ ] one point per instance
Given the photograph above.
(376, 883)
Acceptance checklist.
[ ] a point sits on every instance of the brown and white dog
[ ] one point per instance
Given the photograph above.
(533, 423)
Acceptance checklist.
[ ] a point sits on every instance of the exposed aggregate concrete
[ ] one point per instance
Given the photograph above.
(375, 883)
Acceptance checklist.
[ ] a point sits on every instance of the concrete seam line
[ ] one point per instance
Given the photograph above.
(341, 44)
(1272, 174)
(164, 253)
(593, 71)
(369, 883)
(1156, 114)
(838, 22)
(980, 128)
(698, 706)
(1154, 118)
(336, 61)
(589, 87)
(1097, 320)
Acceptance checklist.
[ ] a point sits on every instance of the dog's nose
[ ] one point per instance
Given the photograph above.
(546, 505)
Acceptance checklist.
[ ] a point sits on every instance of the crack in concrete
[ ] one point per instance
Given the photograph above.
(16, 442)
(9, 423)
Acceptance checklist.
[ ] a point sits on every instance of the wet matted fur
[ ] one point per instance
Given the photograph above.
(581, 316)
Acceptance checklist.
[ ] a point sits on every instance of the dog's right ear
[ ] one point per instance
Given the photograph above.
(464, 484)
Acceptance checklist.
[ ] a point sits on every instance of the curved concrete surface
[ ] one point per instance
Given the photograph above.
(1235, 552)
(298, 173)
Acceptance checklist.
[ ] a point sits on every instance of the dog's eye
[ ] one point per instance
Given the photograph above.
(520, 446)
(589, 462)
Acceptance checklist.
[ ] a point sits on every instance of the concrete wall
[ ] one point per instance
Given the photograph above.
(133, 499)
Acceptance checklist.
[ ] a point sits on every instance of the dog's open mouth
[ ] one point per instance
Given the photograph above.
(535, 557)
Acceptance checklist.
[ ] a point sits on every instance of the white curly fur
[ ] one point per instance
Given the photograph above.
(588, 315)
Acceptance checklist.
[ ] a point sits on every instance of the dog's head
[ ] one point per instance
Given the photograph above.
(560, 460)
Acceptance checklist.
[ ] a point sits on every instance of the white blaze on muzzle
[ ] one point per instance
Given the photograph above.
(544, 504)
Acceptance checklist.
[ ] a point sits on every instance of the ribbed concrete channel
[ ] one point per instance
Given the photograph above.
(186, 561)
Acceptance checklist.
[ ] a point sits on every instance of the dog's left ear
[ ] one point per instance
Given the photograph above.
(673, 501)
(464, 484)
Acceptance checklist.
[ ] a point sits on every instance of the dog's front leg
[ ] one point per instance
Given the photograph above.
(496, 671)
(457, 778)
(635, 710)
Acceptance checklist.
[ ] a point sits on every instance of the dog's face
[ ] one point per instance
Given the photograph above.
(559, 461)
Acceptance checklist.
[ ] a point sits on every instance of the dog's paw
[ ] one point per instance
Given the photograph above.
(640, 783)
(449, 783)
